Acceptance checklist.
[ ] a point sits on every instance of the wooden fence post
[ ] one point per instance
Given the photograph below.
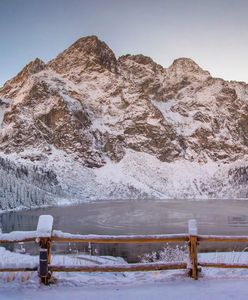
(44, 231)
(193, 259)
(43, 266)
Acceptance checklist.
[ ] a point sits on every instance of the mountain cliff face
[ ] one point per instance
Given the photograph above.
(99, 111)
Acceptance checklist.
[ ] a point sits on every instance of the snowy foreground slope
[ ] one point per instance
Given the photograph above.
(208, 290)
(222, 289)
(213, 283)
(88, 125)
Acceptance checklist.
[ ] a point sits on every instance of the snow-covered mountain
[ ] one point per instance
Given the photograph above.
(104, 127)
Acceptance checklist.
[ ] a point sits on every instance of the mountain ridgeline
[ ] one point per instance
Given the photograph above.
(88, 111)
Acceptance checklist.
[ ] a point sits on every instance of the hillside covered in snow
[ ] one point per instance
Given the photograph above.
(87, 125)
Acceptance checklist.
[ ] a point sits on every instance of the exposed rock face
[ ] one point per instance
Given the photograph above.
(11, 87)
(88, 103)
(87, 54)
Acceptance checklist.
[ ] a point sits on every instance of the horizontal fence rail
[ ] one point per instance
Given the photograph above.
(18, 269)
(223, 265)
(46, 236)
(59, 236)
(221, 238)
(21, 236)
(120, 268)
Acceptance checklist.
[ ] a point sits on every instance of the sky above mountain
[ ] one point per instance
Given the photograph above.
(213, 33)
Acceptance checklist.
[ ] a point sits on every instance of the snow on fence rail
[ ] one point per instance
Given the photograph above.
(19, 236)
(59, 236)
(44, 230)
(45, 236)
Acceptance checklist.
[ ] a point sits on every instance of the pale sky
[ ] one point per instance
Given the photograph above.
(212, 32)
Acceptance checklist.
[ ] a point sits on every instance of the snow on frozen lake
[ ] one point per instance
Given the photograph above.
(137, 217)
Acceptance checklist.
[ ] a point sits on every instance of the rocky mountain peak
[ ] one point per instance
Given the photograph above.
(140, 59)
(186, 66)
(33, 67)
(87, 53)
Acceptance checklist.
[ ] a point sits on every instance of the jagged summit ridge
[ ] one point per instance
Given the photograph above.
(33, 67)
(186, 64)
(88, 53)
(186, 67)
(88, 103)
(140, 59)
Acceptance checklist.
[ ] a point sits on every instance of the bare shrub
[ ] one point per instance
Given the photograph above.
(168, 254)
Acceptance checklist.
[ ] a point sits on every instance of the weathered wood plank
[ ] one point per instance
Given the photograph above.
(19, 269)
(193, 253)
(222, 238)
(119, 241)
(223, 265)
(43, 267)
(45, 226)
(120, 268)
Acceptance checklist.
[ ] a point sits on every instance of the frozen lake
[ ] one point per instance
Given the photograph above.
(137, 217)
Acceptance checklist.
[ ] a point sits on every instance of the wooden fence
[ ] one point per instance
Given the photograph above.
(46, 236)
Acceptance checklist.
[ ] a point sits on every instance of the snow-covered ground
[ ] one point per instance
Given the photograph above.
(212, 284)
(62, 180)
(183, 290)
